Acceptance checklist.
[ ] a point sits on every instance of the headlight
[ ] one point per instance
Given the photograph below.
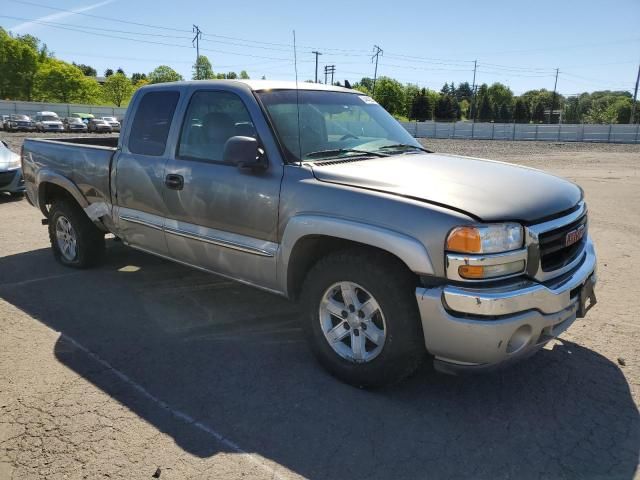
(490, 238)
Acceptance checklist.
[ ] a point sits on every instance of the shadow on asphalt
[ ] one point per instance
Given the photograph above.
(234, 359)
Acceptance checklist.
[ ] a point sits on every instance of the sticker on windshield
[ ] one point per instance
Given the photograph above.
(368, 100)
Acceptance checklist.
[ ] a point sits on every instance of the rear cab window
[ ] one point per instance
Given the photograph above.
(152, 121)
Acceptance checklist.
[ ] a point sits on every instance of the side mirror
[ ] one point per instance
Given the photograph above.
(245, 153)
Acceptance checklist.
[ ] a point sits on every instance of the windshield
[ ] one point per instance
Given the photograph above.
(49, 118)
(109, 119)
(19, 117)
(334, 124)
(74, 120)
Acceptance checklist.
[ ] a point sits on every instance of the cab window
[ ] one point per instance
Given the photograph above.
(212, 118)
(151, 122)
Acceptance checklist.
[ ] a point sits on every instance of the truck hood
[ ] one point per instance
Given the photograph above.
(488, 190)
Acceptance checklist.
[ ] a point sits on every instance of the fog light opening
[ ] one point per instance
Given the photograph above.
(520, 338)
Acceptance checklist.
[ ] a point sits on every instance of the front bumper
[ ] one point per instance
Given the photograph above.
(468, 328)
(11, 181)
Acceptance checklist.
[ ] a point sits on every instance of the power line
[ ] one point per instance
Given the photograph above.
(101, 17)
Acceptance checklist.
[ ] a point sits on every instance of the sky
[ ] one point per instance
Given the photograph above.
(594, 44)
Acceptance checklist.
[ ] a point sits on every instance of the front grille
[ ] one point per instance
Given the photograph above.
(6, 178)
(554, 254)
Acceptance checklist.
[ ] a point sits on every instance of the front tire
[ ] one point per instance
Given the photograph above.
(76, 242)
(361, 318)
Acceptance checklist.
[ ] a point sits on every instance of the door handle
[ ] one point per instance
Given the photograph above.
(174, 181)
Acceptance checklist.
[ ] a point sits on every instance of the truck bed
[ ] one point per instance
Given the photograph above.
(86, 161)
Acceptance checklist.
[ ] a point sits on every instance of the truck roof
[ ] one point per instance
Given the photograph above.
(260, 85)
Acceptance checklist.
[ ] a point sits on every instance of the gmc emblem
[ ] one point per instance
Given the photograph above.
(574, 236)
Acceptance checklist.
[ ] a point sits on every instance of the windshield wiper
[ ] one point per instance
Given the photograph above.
(403, 146)
(339, 151)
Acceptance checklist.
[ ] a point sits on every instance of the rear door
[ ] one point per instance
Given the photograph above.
(140, 168)
(218, 216)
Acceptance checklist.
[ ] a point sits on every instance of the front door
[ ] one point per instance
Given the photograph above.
(140, 173)
(218, 216)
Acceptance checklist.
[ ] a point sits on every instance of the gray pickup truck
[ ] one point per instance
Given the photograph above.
(316, 193)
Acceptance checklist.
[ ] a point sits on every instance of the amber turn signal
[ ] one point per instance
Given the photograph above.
(464, 239)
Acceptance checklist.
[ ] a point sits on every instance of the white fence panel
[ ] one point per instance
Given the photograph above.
(525, 131)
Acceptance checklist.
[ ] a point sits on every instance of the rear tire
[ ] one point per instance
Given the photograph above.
(395, 324)
(76, 242)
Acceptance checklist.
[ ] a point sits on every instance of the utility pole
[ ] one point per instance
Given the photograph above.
(378, 52)
(329, 69)
(316, 54)
(553, 99)
(635, 97)
(473, 89)
(196, 43)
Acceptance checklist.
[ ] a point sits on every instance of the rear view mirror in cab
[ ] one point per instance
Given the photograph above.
(245, 153)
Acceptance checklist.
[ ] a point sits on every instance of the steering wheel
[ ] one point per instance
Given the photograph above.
(348, 135)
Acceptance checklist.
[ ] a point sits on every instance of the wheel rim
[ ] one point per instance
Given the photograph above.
(352, 322)
(66, 239)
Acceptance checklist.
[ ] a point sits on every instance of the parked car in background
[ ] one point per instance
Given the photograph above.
(48, 122)
(3, 121)
(113, 121)
(97, 125)
(85, 117)
(74, 124)
(20, 123)
(11, 180)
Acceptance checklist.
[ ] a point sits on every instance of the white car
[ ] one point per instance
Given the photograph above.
(113, 121)
(48, 122)
(11, 180)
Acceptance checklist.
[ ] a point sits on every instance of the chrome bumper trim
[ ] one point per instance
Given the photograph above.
(523, 295)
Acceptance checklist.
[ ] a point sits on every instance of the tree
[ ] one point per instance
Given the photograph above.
(537, 112)
(59, 81)
(87, 70)
(445, 89)
(422, 107)
(232, 75)
(117, 89)
(163, 74)
(504, 113)
(202, 69)
(390, 95)
(244, 75)
(464, 92)
(140, 83)
(121, 71)
(485, 111)
(521, 111)
(410, 93)
(499, 94)
(108, 72)
(136, 77)
(446, 108)
(18, 66)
